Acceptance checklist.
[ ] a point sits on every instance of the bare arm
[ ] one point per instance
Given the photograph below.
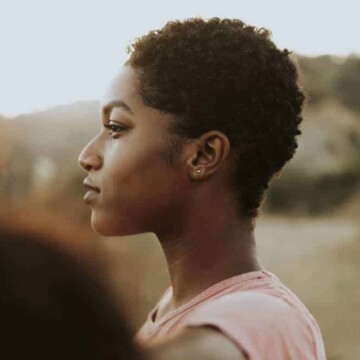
(203, 343)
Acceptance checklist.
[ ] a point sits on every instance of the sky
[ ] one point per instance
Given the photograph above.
(60, 51)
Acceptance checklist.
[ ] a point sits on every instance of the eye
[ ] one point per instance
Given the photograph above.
(115, 129)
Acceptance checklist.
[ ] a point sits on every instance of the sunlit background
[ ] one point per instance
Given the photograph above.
(56, 58)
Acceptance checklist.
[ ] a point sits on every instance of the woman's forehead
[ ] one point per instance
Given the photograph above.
(122, 91)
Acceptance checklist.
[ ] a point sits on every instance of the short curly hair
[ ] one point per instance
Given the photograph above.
(221, 74)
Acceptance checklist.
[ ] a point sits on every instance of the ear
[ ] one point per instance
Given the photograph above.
(208, 153)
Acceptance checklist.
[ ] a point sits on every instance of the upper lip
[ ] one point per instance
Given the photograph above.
(87, 183)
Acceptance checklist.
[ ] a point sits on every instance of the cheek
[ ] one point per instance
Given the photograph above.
(137, 181)
(139, 195)
(130, 173)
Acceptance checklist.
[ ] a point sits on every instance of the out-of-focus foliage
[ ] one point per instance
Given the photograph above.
(347, 84)
(325, 172)
(330, 77)
(318, 76)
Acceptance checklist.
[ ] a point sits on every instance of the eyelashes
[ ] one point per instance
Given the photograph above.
(115, 129)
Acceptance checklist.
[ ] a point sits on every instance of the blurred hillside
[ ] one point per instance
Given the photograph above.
(325, 172)
(331, 77)
(41, 164)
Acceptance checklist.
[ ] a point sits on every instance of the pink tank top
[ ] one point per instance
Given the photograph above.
(255, 310)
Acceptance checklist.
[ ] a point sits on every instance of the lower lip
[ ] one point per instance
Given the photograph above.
(90, 196)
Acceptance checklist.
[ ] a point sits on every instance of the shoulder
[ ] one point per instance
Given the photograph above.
(245, 304)
(256, 322)
(202, 343)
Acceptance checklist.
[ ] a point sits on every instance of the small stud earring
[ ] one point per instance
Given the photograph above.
(198, 171)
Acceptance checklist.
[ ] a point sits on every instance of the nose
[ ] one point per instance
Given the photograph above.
(90, 159)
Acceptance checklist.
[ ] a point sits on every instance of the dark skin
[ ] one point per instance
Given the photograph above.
(188, 205)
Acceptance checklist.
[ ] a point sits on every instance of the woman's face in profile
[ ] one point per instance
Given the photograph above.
(138, 189)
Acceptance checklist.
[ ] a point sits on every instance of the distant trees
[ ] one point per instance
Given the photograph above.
(327, 77)
(347, 85)
(318, 76)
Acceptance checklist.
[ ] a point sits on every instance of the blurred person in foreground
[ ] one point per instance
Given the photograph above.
(53, 307)
(201, 117)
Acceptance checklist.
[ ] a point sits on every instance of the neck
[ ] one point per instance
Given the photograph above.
(207, 251)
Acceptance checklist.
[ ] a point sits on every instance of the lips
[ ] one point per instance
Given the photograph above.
(93, 192)
(90, 186)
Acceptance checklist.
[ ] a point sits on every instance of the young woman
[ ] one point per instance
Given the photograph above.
(200, 118)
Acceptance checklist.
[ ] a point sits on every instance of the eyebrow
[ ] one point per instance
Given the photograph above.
(115, 104)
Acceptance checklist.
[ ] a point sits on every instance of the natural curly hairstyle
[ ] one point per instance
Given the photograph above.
(221, 74)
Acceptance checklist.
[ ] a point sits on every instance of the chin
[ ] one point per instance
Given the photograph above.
(108, 229)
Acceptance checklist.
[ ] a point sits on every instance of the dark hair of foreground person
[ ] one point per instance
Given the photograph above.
(51, 307)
